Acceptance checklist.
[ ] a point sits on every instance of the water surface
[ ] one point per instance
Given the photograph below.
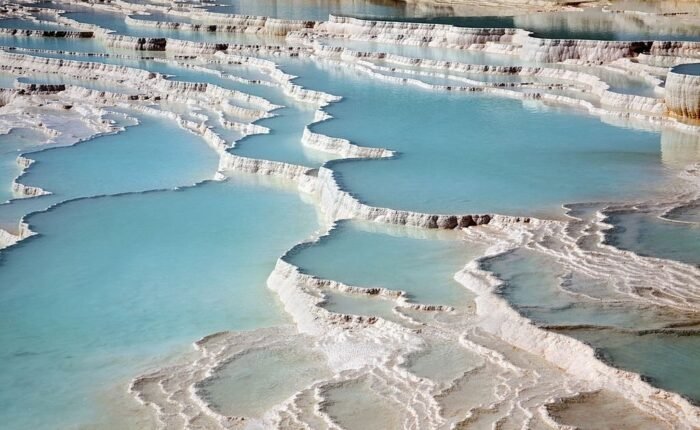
(542, 290)
(652, 235)
(474, 153)
(126, 280)
(391, 259)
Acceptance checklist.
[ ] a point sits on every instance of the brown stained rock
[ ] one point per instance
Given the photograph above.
(483, 219)
(448, 223)
(466, 221)
(432, 221)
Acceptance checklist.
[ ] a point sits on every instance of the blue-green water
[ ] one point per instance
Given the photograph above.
(156, 154)
(97, 85)
(116, 285)
(113, 283)
(11, 145)
(532, 283)
(284, 142)
(53, 43)
(116, 22)
(545, 292)
(475, 153)
(130, 161)
(668, 361)
(649, 234)
(688, 69)
(423, 267)
(688, 214)
(25, 24)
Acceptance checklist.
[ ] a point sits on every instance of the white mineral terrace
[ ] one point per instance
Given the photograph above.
(521, 372)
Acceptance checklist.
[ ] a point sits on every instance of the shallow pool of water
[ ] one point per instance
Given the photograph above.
(363, 305)
(423, 267)
(534, 285)
(25, 24)
(156, 154)
(259, 379)
(667, 360)
(11, 146)
(354, 406)
(473, 153)
(126, 280)
(649, 234)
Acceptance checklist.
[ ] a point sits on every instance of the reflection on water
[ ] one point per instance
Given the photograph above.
(591, 24)
(320, 9)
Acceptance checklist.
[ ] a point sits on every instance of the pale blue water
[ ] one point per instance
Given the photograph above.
(689, 213)
(362, 305)
(443, 54)
(284, 141)
(542, 290)
(423, 267)
(259, 379)
(53, 43)
(474, 153)
(154, 155)
(11, 145)
(648, 234)
(668, 361)
(531, 285)
(7, 80)
(116, 22)
(287, 126)
(115, 285)
(98, 85)
(688, 69)
(124, 281)
(25, 24)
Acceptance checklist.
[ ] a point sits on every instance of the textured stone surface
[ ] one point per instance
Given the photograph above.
(683, 91)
